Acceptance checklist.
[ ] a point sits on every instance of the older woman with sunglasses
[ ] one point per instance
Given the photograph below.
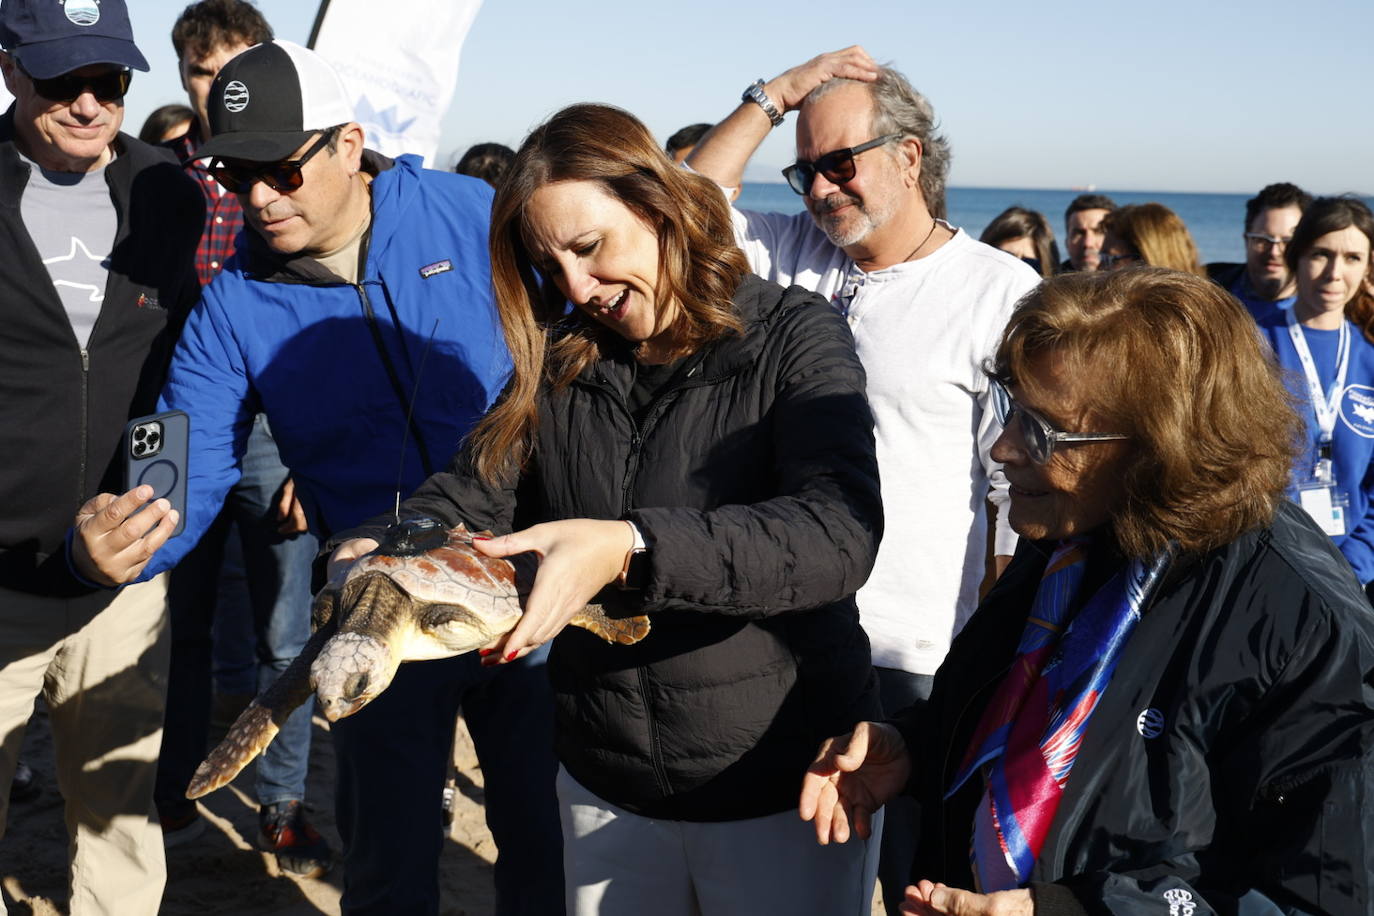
(1162, 705)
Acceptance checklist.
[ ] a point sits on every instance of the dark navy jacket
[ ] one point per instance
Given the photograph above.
(1251, 795)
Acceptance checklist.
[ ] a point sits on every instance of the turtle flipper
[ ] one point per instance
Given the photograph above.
(623, 631)
(257, 725)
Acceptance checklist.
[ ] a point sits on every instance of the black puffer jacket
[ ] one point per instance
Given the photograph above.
(1229, 765)
(754, 477)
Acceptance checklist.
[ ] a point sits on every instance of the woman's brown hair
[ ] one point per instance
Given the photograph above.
(1175, 362)
(1156, 234)
(699, 264)
(1332, 214)
(1018, 222)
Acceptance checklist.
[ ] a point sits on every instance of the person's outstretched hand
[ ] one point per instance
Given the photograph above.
(930, 899)
(111, 544)
(577, 558)
(851, 778)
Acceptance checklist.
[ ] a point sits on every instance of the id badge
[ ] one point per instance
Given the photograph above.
(1326, 504)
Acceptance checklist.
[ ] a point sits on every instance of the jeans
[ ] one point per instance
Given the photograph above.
(278, 576)
(899, 689)
(393, 758)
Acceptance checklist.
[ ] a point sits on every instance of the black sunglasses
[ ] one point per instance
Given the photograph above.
(237, 176)
(106, 87)
(837, 165)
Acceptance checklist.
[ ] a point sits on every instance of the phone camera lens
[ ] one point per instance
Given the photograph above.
(139, 433)
(139, 449)
(152, 438)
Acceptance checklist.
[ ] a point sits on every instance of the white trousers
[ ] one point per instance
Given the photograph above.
(621, 864)
(103, 674)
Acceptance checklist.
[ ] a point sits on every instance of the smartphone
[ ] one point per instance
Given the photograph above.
(155, 449)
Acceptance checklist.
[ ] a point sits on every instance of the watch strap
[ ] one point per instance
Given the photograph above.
(634, 573)
(756, 94)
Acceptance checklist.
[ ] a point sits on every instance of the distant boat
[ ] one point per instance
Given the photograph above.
(1084, 187)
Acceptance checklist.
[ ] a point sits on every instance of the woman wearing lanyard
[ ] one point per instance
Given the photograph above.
(1324, 344)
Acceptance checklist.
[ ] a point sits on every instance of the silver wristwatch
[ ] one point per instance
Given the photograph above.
(756, 94)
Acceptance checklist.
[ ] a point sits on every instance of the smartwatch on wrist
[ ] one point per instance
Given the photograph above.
(756, 94)
(634, 574)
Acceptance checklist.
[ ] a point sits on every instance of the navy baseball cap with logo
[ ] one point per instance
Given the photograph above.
(53, 37)
(269, 100)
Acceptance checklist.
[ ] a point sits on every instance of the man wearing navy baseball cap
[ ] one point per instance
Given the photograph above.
(97, 243)
(357, 315)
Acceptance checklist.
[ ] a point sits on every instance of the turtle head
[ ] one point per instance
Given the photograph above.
(350, 671)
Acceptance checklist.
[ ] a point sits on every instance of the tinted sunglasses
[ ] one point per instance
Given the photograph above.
(106, 87)
(837, 165)
(237, 176)
(1039, 435)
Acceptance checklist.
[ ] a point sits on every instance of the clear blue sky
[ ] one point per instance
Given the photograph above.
(1166, 95)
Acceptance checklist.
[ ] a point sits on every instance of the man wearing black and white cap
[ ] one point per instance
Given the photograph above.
(97, 241)
(361, 288)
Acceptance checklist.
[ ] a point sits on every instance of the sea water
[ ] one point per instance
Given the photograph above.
(1216, 221)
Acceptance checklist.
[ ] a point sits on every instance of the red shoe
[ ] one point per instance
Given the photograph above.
(299, 848)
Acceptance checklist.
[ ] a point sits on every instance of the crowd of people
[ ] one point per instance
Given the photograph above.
(1032, 586)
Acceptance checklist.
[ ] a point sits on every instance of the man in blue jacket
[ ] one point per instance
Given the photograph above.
(361, 289)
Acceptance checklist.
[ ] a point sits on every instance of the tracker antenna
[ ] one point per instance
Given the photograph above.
(410, 412)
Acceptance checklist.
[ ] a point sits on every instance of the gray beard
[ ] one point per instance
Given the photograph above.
(859, 225)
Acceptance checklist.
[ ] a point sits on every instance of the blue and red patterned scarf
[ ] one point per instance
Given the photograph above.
(1031, 731)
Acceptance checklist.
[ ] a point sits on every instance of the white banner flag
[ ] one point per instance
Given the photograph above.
(400, 61)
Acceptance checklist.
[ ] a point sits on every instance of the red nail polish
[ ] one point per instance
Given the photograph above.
(485, 652)
(511, 656)
(480, 537)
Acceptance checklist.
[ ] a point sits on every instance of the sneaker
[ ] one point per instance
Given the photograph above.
(24, 787)
(181, 822)
(299, 848)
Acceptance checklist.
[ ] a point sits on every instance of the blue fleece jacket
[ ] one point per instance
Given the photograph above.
(1352, 445)
(289, 339)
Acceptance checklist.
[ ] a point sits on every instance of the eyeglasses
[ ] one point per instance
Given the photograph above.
(1259, 241)
(837, 165)
(1109, 261)
(110, 86)
(238, 176)
(1040, 437)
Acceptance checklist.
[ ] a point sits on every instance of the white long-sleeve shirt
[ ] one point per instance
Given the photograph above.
(925, 330)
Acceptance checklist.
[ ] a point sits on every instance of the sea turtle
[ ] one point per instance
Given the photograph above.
(425, 592)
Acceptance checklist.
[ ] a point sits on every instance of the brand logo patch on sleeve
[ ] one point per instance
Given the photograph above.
(146, 301)
(438, 267)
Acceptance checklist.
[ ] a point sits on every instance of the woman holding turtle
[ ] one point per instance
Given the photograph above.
(688, 442)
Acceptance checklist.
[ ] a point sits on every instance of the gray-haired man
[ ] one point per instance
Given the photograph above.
(927, 304)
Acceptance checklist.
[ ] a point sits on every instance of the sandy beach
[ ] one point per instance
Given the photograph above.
(221, 871)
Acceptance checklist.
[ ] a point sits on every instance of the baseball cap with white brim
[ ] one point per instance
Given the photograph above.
(269, 100)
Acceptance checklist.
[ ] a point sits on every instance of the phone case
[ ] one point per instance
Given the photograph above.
(155, 450)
